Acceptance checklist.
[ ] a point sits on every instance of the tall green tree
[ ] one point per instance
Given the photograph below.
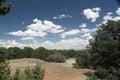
(4, 9)
(27, 52)
(41, 53)
(14, 53)
(105, 50)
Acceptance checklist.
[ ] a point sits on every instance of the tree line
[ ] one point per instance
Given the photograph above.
(39, 53)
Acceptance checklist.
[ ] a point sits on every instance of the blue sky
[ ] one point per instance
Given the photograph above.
(55, 24)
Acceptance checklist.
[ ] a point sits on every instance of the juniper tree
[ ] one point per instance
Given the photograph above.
(105, 51)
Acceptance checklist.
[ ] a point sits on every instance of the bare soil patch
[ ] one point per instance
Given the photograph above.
(53, 71)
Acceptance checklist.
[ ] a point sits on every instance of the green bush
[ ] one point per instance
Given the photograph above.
(75, 65)
(91, 76)
(36, 73)
(4, 67)
(56, 58)
(84, 60)
(17, 75)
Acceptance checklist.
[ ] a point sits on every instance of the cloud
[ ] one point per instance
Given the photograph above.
(83, 25)
(23, 23)
(108, 16)
(27, 38)
(85, 30)
(87, 36)
(92, 14)
(94, 29)
(28, 33)
(62, 16)
(77, 31)
(75, 43)
(11, 43)
(118, 11)
(39, 28)
(69, 33)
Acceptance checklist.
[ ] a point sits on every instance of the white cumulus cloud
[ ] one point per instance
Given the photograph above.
(39, 28)
(118, 11)
(69, 33)
(11, 43)
(92, 14)
(108, 16)
(27, 38)
(83, 25)
(75, 43)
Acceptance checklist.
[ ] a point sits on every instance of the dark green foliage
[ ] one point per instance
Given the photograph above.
(28, 74)
(69, 53)
(14, 53)
(37, 73)
(27, 52)
(56, 58)
(75, 65)
(105, 47)
(4, 68)
(41, 53)
(84, 60)
(4, 9)
(105, 51)
(17, 75)
(108, 74)
(91, 76)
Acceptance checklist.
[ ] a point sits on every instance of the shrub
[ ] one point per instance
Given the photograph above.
(84, 60)
(17, 75)
(27, 73)
(76, 66)
(56, 58)
(4, 67)
(36, 73)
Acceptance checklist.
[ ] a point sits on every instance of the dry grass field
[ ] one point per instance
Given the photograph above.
(53, 71)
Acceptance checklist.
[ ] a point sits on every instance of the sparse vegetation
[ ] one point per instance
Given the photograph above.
(36, 73)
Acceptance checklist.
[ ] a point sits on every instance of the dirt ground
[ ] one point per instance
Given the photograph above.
(53, 71)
